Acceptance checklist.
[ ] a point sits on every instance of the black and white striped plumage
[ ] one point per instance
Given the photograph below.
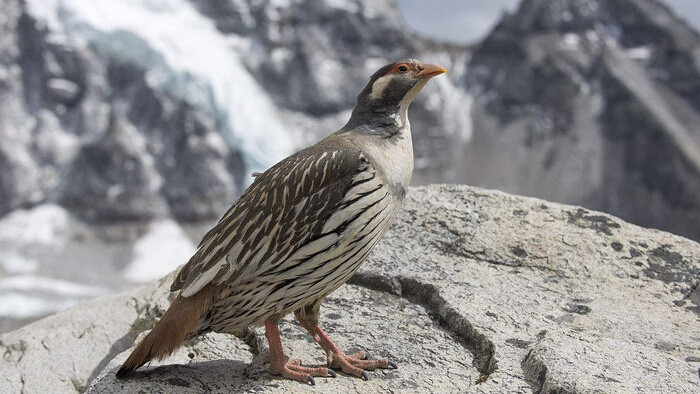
(300, 231)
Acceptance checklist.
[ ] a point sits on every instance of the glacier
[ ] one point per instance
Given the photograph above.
(185, 56)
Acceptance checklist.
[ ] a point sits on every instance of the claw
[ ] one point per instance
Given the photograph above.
(364, 375)
(392, 365)
(312, 381)
(332, 373)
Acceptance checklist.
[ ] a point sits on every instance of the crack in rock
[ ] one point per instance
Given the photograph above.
(255, 342)
(428, 296)
(458, 248)
(20, 347)
(537, 374)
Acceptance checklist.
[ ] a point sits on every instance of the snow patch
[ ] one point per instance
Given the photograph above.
(20, 306)
(345, 5)
(572, 40)
(454, 105)
(46, 224)
(13, 263)
(162, 249)
(28, 283)
(639, 53)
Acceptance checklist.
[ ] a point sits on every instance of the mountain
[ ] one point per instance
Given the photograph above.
(594, 103)
(139, 110)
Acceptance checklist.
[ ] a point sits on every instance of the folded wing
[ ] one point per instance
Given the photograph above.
(282, 213)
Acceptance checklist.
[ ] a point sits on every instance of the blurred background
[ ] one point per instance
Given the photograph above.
(127, 127)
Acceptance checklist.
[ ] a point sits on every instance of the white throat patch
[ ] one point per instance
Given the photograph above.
(402, 118)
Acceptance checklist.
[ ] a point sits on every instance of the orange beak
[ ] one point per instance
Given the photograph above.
(430, 71)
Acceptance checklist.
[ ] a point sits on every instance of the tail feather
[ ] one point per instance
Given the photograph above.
(178, 323)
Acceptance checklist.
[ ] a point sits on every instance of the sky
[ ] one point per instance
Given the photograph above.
(467, 21)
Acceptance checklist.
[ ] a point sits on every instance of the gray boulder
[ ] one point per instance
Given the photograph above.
(470, 291)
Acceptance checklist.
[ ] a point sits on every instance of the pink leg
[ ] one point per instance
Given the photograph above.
(290, 369)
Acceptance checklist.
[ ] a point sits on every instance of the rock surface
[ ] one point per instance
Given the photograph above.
(470, 291)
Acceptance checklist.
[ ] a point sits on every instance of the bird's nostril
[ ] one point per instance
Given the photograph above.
(421, 67)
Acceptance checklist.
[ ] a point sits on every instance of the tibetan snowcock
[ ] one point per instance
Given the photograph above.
(299, 232)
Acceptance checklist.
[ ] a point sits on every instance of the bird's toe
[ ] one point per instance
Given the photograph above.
(293, 370)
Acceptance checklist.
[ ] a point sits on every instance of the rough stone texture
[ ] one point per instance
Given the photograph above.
(64, 352)
(470, 291)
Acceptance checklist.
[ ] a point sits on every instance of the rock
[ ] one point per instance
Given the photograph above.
(200, 176)
(79, 342)
(51, 145)
(20, 177)
(114, 178)
(470, 291)
(62, 90)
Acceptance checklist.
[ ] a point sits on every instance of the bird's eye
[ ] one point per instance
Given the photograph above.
(403, 69)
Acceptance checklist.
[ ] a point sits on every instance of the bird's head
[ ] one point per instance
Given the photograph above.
(391, 90)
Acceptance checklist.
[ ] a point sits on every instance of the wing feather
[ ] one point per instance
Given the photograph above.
(281, 214)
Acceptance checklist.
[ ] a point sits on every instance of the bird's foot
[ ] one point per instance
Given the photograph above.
(293, 370)
(356, 364)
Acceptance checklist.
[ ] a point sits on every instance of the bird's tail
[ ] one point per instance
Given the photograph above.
(178, 323)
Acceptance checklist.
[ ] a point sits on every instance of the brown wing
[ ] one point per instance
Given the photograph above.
(282, 210)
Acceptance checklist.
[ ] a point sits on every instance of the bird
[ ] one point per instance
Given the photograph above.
(298, 232)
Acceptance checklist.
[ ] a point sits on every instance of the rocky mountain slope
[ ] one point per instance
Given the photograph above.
(495, 293)
(144, 109)
(594, 103)
(136, 110)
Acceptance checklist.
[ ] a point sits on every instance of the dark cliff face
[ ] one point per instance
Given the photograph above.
(63, 98)
(587, 102)
(598, 103)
